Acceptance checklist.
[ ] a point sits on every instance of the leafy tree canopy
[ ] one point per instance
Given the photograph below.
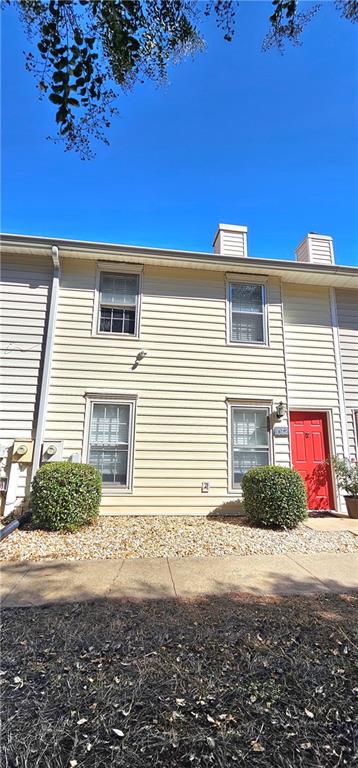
(87, 50)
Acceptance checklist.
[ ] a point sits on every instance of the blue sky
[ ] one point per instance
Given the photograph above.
(239, 136)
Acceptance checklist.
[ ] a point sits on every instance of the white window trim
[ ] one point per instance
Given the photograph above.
(266, 405)
(230, 280)
(116, 267)
(103, 398)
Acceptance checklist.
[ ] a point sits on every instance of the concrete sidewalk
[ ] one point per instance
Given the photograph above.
(42, 583)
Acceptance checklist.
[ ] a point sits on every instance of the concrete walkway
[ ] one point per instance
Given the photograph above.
(42, 583)
(332, 523)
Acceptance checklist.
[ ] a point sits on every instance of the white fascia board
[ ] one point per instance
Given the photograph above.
(286, 270)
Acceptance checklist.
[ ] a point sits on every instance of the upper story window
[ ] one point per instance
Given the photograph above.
(247, 313)
(118, 301)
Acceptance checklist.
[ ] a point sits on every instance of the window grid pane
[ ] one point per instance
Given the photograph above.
(112, 464)
(118, 303)
(117, 320)
(247, 313)
(250, 440)
(245, 460)
(118, 289)
(108, 441)
(247, 328)
(246, 297)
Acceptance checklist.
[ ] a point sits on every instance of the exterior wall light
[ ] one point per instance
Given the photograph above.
(280, 411)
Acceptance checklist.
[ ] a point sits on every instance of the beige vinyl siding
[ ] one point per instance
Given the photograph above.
(231, 243)
(182, 384)
(347, 310)
(302, 252)
(317, 250)
(310, 357)
(24, 290)
(321, 250)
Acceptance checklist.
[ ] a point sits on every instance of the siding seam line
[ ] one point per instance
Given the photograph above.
(171, 576)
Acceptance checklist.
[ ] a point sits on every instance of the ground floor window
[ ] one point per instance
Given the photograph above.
(250, 440)
(110, 441)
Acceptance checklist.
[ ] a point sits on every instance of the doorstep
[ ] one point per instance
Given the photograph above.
(332, 523)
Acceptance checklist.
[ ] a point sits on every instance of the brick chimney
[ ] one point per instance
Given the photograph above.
(230, 240)
(316, 249)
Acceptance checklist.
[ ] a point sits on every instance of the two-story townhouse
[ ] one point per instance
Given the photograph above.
(174, 372)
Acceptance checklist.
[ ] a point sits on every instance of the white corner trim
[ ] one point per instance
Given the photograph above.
(339, 372)
(284, 346)
(47, 361)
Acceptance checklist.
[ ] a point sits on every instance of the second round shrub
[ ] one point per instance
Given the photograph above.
(274, 496)
(65, 496)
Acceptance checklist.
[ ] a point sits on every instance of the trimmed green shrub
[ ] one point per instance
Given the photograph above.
(65, 496)
(274, 496)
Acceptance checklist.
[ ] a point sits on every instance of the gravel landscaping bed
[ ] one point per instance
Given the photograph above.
(128, 537)
(213, 683)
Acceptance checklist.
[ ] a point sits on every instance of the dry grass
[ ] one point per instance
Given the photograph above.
(128, 537)
(216, 683)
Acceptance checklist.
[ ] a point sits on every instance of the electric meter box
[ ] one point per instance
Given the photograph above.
(22, 451)
(52, 450)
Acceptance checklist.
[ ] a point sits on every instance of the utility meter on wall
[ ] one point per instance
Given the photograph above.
(22, 451)
(52, 451)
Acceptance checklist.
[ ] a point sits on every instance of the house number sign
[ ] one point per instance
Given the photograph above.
(279, 431)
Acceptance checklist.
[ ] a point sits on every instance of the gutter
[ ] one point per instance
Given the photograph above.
(45, 378)
(94, 249)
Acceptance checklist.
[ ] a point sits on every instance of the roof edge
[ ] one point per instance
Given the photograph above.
(137, 250)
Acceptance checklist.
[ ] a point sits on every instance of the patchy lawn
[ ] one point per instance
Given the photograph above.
(217, 682)
(128, 537)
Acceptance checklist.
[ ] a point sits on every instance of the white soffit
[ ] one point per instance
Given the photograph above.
(287, 271)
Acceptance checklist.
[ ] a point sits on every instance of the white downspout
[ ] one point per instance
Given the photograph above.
(45, 379)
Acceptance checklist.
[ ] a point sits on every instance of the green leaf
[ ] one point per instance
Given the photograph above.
(55, 98)
(61, 63)
(61, 114)
(78, 37)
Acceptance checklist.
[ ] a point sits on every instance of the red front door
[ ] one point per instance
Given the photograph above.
(310, 449)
